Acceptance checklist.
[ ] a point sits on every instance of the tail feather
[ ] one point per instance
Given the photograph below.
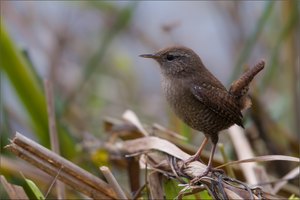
(240, 87)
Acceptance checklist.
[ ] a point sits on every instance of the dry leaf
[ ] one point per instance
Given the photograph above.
(132, 118)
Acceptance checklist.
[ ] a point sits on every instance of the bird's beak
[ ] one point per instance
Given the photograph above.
(154, 56)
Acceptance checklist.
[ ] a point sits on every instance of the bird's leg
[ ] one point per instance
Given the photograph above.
(196, 156)
(209, 166)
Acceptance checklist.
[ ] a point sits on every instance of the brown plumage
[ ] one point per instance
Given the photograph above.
(198, 97)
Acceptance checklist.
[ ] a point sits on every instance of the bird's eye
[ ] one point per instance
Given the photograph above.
(170, 57)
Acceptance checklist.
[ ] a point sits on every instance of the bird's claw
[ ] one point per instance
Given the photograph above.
(205, 173)
(189, 160)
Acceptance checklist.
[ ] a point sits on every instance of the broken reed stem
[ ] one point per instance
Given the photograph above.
(60, 187)
(240, 142)
(51, 170)
(51, 163)
(113, 182)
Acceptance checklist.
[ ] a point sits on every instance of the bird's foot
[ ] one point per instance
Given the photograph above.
(189, 160)
(208, 170)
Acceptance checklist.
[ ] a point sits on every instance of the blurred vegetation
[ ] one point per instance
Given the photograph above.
(94, 77)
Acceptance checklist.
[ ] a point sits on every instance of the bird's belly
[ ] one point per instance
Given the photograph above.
(197, 115)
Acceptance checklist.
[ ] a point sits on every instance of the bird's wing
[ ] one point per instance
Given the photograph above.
(219, 101)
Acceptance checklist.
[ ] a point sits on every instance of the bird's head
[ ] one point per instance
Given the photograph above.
(177, 61)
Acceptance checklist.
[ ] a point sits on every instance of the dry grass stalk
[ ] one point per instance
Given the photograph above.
(292, 174)
(60, 187)
(113, 182)
(51, 163)
(240, 142)
(155, 185)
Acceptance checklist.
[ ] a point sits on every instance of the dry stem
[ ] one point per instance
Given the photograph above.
(51, 163)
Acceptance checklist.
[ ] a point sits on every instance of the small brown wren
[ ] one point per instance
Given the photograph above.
(198, 98)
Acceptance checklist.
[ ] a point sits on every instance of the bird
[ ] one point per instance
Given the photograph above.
(198, 98)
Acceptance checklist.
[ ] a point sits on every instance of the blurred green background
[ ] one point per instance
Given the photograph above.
(89, 50)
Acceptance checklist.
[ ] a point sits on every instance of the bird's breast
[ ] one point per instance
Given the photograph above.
(190, 109)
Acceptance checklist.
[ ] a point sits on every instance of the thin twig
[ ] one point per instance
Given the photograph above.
(138, 192)
(52, 184)
(291, 174)
(60, 187)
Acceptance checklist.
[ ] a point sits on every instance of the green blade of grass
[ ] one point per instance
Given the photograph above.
(23, 80)
(27, 85)
(32, 190)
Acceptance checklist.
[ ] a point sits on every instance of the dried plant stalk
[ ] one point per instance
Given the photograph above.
(240, 142)
(113, 182)
(155, 186)
(60, 187)
(51, 163)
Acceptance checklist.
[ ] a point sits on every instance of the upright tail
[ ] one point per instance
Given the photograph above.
(240, 87)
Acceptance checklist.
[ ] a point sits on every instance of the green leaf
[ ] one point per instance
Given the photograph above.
(171, 189)
(22, 78)
(32, 190)
(19, 70)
